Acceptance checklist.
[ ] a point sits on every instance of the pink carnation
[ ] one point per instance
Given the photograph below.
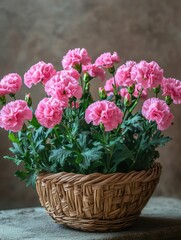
(75, 58)
(149, 75)
(71, 72)
(49, 112)
(104, 112)
(63, 86)
(3, 90)
(172, 87)
(14, 114)
(94, 71)
(109, 85)
(107, 60)
(40, 72)
(10, 84)
(123, 74)
(157, 110)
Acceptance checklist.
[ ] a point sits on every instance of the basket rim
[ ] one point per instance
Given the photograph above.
(76, 177)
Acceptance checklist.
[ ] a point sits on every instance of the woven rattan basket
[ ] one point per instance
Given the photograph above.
(97, 202)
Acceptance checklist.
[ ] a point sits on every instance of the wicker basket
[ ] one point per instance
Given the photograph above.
(97, 202)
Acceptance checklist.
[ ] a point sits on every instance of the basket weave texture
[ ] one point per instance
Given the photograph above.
(97, 202)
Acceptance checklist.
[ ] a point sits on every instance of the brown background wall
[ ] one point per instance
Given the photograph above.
(44, 30)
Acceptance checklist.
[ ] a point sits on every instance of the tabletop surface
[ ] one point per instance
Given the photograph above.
(160, 219)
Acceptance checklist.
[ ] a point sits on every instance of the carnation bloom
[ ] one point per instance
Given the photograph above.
(172, 87)
(10, 84)
(71, 72)
(75, 58)
(49, 112)
(149, 75)
(63, 86)
(94, 71)
(123, 74)
(109, 85)
(3, 90)
(14, 114)
(107, 60)
(40, 72)
(157, 110)
(104, 112)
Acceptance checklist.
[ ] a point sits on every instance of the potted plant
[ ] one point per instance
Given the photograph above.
(92, 161)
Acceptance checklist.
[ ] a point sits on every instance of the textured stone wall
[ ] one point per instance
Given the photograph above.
(44, 30)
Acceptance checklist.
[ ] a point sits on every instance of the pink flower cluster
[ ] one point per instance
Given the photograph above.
(80, 58)
(123, 74)
(75, 57)
(124, 90)
(10, 84)
(172, 87)
(107, 60)
(63, 86)
(40, 72)
(155, 109)
(149, 75)
(14, 114)
(141, 76)
(109, 85)
(94, 71)
(49, 112)
(104, 112)
(130, 81)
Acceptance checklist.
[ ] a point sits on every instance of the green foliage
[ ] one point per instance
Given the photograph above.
(74, 146)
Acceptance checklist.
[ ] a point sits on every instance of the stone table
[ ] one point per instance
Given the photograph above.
(161, 219)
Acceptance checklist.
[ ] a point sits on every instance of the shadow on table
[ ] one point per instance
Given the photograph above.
(151, 223)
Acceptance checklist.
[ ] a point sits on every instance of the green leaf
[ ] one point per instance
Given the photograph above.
(48, 132)
(12, 137)
(15, 160)
(59, 155)
(91, 155)
(75, 126)
(34, 122)
(22, 175)
(160, 141)
(97, 135)
(122, 153)
(32, 179)
(82, 140)
(79, 159)
(16, 150)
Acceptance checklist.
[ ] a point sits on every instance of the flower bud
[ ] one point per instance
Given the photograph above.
(102, 127)
(87, 87)
(28, 99)
(156, 90)
(102, 93)
(131, 89)
(168, 100)
(86, 77)
(127, 100)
